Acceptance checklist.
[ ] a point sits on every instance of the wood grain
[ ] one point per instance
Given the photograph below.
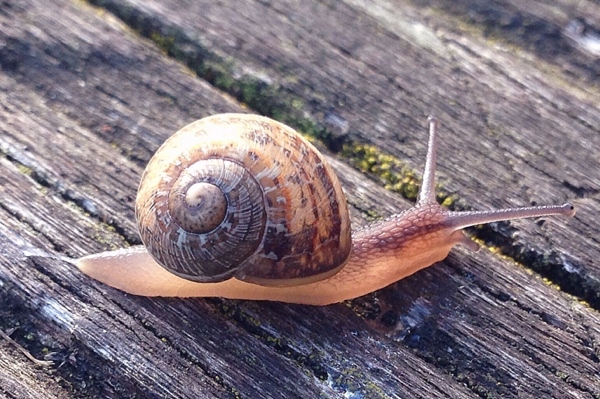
(88, 93)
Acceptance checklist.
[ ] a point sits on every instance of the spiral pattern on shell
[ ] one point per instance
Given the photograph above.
(243, 196)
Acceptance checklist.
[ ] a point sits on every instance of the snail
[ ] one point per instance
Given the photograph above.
(242, 207)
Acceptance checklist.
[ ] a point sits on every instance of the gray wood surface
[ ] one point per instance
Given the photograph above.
(89, 91)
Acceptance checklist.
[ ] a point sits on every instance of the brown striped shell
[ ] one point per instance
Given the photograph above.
(243, 196)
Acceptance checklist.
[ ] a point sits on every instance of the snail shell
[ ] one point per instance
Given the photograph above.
(243, 196)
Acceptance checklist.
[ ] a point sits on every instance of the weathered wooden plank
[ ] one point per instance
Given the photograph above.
(80, 96)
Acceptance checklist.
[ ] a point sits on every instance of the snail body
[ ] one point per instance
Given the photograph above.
(242, 207)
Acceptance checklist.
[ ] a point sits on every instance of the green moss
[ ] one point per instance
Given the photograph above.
(224, 81)
(451, 201)
(562, 375)
(371, 390)
(165, 43)
(393, 173)
(236, 393)
(297, 104)
(354, 381)
(25, 170)
(371, 214)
